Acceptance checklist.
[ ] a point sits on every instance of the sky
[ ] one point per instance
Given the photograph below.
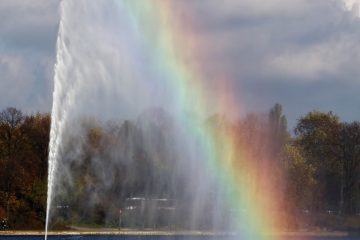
(304, 54)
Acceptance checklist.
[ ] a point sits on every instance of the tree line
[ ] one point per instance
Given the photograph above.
(319, 163)
(23, 167)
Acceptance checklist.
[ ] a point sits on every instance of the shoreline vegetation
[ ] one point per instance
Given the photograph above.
(317, 165)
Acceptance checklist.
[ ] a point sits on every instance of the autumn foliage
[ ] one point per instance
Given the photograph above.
(319, 164)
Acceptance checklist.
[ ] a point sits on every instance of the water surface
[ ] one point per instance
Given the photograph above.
(91, 237)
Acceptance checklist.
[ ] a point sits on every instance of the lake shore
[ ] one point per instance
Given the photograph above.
(168, 233)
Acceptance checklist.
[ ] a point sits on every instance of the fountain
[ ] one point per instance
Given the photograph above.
(132, 143)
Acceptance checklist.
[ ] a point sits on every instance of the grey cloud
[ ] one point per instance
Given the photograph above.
(322, 37)
(274, 50)
(25, 83)
(30, 24)
(297, 99)
(28, 31)
(303, 54)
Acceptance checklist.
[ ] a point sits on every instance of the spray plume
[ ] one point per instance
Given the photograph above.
(117, 60)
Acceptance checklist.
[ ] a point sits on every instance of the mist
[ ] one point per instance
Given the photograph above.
(134, 142)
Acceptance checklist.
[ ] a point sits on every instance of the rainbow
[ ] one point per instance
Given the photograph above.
(170, 42)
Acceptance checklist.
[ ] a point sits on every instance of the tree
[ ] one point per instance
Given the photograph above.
(299, 177)
(316, 133)
(23, 166)
(10, 122)
(349, 157)
(334, 148)
(278, 132)
(11, 136)
(37, 130)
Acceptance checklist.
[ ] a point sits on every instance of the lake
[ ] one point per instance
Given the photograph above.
(92, 237)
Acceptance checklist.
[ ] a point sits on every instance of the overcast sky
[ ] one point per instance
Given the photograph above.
(304, 54)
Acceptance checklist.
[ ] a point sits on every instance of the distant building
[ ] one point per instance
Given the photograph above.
(148, 212)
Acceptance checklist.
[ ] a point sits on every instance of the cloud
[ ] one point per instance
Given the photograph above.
(25, 82)
(334, 58)
(353, 5)
(303, 54)
(301, 40)
(264, 47)
(28, 32)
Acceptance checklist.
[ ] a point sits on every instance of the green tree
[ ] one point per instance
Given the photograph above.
(334, 148)
(349, 158)
(299, 178)
(317, 133)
